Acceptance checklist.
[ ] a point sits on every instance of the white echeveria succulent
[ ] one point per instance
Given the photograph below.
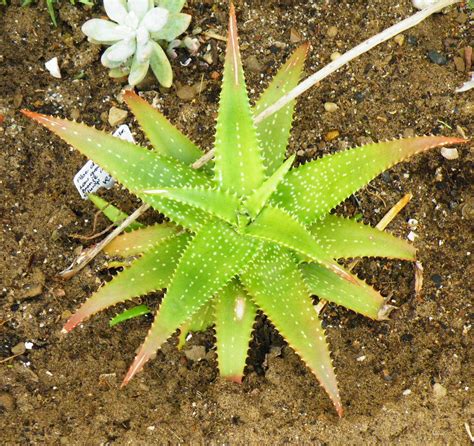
(134, 32)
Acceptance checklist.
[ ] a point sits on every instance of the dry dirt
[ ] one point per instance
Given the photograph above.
(64, 390)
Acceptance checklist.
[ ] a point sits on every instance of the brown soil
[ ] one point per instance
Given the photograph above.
(65, 389)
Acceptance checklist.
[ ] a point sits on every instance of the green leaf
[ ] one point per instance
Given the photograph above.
(217, 202)
(255, 203)
(114, 214)
(138, 70)
(238, 161)
(313, 189)
(165, 138)
(176, 25)
(160, 65)
(151, 272)
(200, 321)
(135, 167)
(139, 310)
(277, 226)
(235, 316)
(140, 240)
(216, 254)
(274, 132)
(344, 237)
(360, 298)
(172, 5)
(277, 287)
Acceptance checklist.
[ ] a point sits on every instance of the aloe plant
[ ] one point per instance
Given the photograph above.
(251, 233)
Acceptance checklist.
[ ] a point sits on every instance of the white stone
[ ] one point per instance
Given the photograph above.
(406, 392)
(450, 154)
(422, 4)
(117, 116)
(439, 391)
(53, 67)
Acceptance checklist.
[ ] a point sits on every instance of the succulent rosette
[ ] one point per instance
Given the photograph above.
(134, 33)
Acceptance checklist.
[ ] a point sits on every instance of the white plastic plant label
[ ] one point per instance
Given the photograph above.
(91, 177)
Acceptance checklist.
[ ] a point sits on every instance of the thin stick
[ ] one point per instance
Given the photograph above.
(212, 35)
(330, 68)
(86, 256)
(352, 54)
(381, 225)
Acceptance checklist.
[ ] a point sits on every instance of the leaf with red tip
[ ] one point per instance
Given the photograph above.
(238, 161)
(274, 132)
(151, 272)
(361, 298)
(313, 189)
(216, 254)
(141, 240)
(165, 138)
(135, 167)
(345, 237)
(276, 286)
(235, 315)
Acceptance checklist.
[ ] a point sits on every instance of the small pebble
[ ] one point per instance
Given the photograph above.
(333, 134)
(295, 36)
(437, 57)
(117, 116)
(330, 107)
(195, 353)
(399, 39)
(412, 40)
(359, 97)
(252, 64)
(332, 31)
(186, 93)
(439, 391)
(34, 287)
(361, 358)
(335, 55)
(406, 392)
(459, 63)
(53, 67)
(413, 223)
(437, 280)
(450, 154)
(19, 349)
(411, 236)
(7, 401)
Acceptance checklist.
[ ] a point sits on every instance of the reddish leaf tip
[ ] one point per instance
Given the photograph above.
(137, 365)
(130, 94)
(339, 409)
(72, 322)
(235, 379)
(31, 114)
